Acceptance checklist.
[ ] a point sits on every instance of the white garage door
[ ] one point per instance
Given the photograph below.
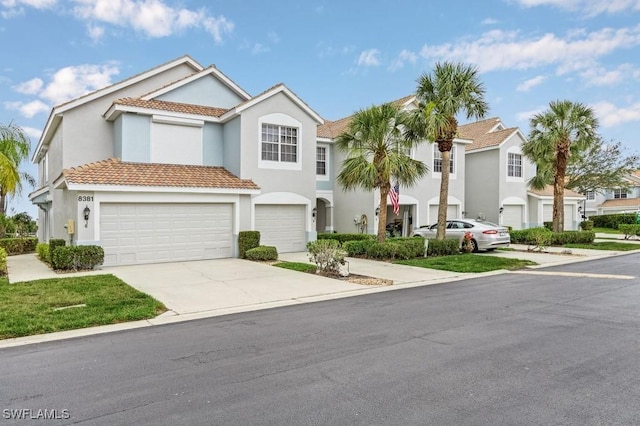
(569, 215)
(282, 226)
(452, 213)
(512, 216)
(153, 233)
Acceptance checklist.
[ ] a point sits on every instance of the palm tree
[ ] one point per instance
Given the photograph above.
(566, 127)
(452, 89)
(14, 149)
(376, 154)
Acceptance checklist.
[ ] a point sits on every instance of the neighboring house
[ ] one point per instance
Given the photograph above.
(617, 200)
(496, 180)
(344, 211)
(171, 164)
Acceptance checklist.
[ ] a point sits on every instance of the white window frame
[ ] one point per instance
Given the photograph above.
(44, 178)
(325, 176)
(620, 194)
(283, 121)
(514, 151)
(514, 165)
(437, 155)
(590, 195)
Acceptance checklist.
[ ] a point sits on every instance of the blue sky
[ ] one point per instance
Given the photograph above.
(338, 56)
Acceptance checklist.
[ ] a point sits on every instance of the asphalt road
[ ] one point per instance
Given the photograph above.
(510, 349)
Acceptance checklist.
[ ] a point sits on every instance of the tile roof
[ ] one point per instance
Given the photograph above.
(115, 172)
(548, 192)
(331, 129)
(622, 202)
(481, 134)
(172, 106)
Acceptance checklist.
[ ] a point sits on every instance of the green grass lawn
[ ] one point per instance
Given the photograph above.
(297, 266)
(468, 263)
(32, 307)
(607, 231)
(606, 245)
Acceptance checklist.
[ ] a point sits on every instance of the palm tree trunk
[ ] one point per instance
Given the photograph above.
(3, 203)
(444, 193)
(558, 191)
(382, 216)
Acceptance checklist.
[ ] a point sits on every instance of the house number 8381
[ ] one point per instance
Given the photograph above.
(85, 198)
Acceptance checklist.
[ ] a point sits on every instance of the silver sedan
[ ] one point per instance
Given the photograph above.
(484, 235)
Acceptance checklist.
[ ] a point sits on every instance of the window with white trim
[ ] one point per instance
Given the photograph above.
(437, 160)
(279, 143)
(321, 161)
(514, 165)
(619, 193)
(591, 195)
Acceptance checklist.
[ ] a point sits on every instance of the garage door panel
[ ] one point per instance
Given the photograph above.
(147, 233)
(512, 216)
(282, 226)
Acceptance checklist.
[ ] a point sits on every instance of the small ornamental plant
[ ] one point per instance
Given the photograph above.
(467, 246)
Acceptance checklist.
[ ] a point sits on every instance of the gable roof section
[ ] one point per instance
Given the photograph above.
(548, 192)
(484, 133)
(272, 91)
(210, 70)
(54, 116)
(492, 139)
(622, 202)
(113, 172)
(141, 105)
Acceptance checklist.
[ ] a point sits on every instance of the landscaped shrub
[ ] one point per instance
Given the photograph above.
(3, 261)
(548, 225)
(42, 249)
(586, 225)
(327, 255)
(388, 250)
(262, 253)
(443, 247)
(629, 230)
(613, 220)
(357, 248)
(572, 237)
(76, 258)
(341, 238)
(247, 240)
(18, 245)
(415, 245)
(53, 244)
(540, 238)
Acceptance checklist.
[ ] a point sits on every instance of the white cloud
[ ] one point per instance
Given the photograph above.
(589, 8)
(600, 76)
(497, 49)
(404, 56)
(154, 18)
(611, 115)
(73, 81)
(369, 58)
(30, 87)
(32, 132)
(527, 85)
(28, 109)
(489, 21)
(527, 115)
(259, 48)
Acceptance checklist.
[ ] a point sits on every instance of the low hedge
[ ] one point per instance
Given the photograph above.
(389, 250)
(76, 258)
(445, 247)
(262, 253)
(42, 249)
(3, 261)
(415, 245)
(586, 225)
(613, 220)
(53, 244)
(247, 240)
(357, 248)
(629, 230)
(18, 245)
(345, 237)
(526, 236)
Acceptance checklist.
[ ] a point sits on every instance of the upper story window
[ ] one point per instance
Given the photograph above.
(591, 195)
(620, 193)
(321, 161)
(514, 165)
(44, 170)
(279, 143)
(437, 160)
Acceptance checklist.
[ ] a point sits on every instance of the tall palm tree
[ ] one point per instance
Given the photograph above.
(376, 154)
(14, 149)
(451, 89)
(566, 127)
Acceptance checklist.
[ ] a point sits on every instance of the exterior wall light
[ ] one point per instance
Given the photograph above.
(377, 211)
(501, 210)
(86, 212)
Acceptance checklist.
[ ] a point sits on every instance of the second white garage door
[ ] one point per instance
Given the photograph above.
(452, 213)
(153, 233)
(512, 216)
(282, 226)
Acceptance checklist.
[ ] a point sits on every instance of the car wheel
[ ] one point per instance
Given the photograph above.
(474, 246)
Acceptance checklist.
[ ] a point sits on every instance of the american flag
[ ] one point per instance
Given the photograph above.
(394, 196)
